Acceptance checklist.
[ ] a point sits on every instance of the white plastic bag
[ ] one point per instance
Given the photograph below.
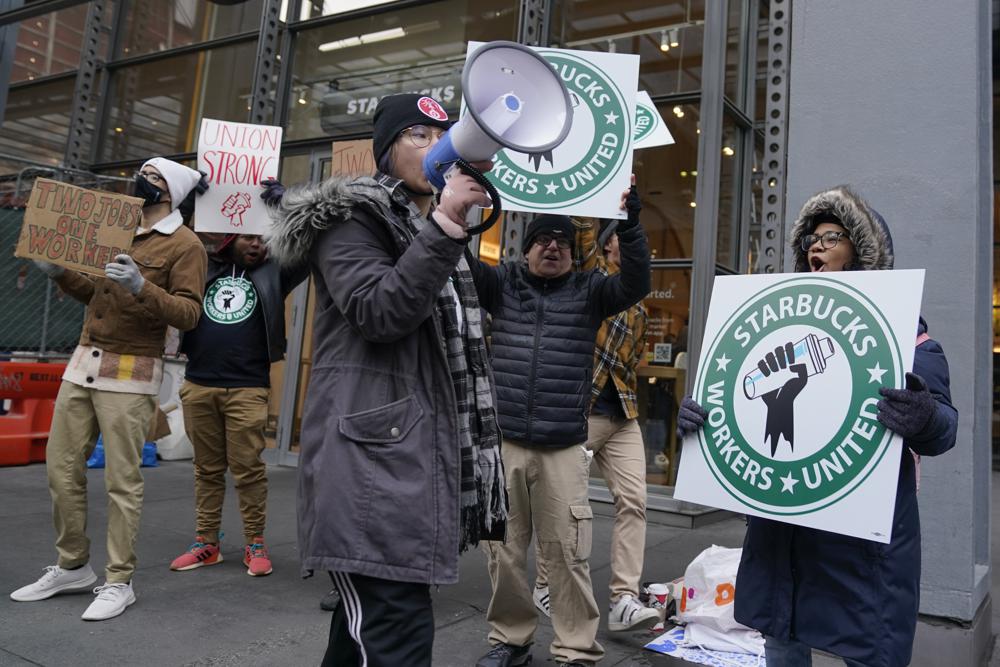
(706, 602)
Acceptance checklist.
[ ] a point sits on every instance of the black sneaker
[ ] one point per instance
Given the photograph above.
(505, 655)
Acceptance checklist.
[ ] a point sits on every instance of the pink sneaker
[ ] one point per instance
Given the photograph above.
(197, 555)
(255, 558)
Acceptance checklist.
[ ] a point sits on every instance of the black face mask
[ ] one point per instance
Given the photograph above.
(150, 193)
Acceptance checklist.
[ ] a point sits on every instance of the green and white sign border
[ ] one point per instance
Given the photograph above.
(885, 435)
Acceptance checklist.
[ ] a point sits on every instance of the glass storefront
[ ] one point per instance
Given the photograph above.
(178, 61)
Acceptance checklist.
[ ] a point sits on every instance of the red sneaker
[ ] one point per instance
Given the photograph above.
(255, 558)
(197, 555)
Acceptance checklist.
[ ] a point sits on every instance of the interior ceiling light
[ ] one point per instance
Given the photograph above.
(664, 43)
(678, 111)
(380, 36)
(675, 40)
(728, 151)
(612, 47)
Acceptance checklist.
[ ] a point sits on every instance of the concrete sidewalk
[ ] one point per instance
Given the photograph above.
(220, 616)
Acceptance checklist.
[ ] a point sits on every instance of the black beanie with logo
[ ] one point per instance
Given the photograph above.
(395, 113)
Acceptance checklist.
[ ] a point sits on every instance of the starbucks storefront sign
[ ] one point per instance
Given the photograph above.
(790, 374)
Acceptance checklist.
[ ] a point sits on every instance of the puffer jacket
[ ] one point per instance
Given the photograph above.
(854, 598)
(379, 465)
(543, 337)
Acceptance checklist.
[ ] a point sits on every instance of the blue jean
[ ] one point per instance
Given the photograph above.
(792, 653)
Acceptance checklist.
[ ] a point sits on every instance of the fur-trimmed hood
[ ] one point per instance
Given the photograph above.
(307, 210)
(867, 229)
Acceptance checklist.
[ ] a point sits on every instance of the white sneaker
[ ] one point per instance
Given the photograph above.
(111, 600)
(541, 597)
(629, 613)
(56, 580)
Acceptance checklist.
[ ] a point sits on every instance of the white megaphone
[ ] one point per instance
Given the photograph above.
(514, 100)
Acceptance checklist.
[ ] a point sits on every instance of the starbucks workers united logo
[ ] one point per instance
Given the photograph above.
(646, 121)
(230, 300)
(791, 384)
(589, 158)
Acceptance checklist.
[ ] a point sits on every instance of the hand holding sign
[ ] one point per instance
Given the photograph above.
(125, 272)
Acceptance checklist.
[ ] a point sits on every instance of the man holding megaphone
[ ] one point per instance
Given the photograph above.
(399, 467)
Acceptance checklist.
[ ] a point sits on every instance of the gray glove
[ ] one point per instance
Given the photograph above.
(124, 272)
(690, 417)
(907, 411)
(49, 269)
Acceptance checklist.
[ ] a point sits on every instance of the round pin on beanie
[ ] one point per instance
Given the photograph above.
(395, 113)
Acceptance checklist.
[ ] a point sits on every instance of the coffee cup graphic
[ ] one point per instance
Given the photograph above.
(812, 352)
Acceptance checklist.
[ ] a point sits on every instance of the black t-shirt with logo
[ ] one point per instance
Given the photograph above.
(228, 348)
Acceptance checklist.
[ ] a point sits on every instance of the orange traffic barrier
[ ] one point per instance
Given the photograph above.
(31, 388)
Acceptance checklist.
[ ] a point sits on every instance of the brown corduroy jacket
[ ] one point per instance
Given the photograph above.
(174, 267)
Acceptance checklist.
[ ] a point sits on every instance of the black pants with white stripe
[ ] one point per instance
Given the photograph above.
(380, 623)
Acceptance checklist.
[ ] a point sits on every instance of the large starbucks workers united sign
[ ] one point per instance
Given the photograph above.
(591, 168)
(790, 373)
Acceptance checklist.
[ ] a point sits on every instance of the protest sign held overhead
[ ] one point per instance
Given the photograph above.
(649, 129)
(78, 229)
(236, 157)
(590, 169)
(790, 373)
(352, 158)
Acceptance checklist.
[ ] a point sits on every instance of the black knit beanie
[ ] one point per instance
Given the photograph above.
(557, 225)
(395, 113)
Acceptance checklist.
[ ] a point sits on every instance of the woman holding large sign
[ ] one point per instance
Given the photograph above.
(805, 588)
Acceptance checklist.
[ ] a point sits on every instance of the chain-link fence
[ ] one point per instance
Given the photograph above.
(36, 318)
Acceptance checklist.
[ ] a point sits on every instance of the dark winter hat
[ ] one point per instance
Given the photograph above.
(395, 113)
(557, 225)
(867, 229)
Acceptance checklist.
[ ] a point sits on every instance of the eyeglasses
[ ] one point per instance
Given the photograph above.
(421, 135)
(545, 239)
(151, 177)
(829, 240)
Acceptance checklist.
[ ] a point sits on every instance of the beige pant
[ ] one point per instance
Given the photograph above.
(620, 454)
(548, 490)
(226, 429)
(123, 421)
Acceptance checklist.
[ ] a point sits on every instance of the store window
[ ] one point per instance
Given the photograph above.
(735, 63)
(168, 24)
(341, 70)
(36, 122)
(667, 36)
(730, 185)
(49, 44)
(156, 108)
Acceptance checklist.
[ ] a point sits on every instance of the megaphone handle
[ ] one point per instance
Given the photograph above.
(480, 178)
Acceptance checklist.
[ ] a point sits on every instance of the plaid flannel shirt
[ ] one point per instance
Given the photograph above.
(621, 340)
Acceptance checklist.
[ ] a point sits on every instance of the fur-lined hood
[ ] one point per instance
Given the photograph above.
(307, 210)
(867, 229)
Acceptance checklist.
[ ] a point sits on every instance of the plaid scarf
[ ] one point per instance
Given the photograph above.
(483, 489)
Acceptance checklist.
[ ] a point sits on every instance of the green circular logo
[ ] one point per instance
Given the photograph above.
(791, 384)
(646, 120)
(589, 158)
(230, 300)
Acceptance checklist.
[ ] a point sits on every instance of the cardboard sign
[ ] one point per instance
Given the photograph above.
(353, 158)
(591, 168)
(800, 442)
(236, 157)
(650, 129)
(75, 228)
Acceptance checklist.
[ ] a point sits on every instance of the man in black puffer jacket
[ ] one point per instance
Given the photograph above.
(545, 322)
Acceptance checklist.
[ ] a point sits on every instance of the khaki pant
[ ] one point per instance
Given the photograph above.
(620, 454)
(548, 490)
(123, 421)
(226, 429)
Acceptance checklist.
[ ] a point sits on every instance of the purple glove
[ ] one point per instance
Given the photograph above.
(907, 411)
(273, 191)
(690, 417)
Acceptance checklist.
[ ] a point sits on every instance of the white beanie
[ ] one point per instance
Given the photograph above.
(180, 179)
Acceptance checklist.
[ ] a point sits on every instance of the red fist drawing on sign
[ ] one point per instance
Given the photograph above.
(235, 206)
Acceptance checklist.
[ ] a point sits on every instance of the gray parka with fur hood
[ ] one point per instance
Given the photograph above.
(379, 461)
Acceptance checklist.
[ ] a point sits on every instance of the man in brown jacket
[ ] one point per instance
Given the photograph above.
(111, 382)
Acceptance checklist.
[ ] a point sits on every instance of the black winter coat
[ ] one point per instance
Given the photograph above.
(543, 337)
